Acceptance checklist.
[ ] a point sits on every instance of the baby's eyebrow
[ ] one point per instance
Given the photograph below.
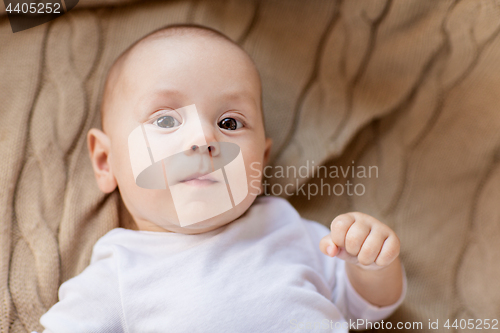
(162, 93)
(239, 95)
(149, 101)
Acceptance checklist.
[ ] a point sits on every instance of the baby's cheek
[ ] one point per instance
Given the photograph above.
(254, 174)
(155, 206)
(253, 157)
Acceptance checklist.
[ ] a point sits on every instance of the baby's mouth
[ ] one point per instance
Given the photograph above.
(199, 179)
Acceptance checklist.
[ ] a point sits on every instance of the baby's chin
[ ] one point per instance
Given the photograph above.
(212, 223)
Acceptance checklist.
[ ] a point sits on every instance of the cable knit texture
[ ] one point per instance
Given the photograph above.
(409, 86)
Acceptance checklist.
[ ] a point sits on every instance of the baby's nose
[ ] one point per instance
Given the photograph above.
(213, 148)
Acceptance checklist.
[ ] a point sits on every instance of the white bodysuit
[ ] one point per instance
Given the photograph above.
(263, 272)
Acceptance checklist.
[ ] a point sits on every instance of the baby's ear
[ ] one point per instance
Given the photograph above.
(267, 151)
(99, 148)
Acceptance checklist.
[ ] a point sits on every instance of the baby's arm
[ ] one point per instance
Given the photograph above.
(89, 302)
(371, 252)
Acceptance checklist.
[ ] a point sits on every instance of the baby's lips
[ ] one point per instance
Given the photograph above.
(201, 177)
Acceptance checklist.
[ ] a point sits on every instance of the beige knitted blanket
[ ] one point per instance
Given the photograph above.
(408, 87)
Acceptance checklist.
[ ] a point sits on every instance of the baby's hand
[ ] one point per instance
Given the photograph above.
(361, 239)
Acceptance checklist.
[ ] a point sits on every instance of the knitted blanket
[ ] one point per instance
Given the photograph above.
(397, 98)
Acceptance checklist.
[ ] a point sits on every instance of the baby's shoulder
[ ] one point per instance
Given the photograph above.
(107, 245)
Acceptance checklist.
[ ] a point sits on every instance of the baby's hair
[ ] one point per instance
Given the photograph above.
(180, 29)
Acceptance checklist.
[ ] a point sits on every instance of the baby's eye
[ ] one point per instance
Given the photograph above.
(230, 124)
(166, 122)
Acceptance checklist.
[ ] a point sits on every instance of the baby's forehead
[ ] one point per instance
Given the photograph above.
(185, 43)
(127, 72)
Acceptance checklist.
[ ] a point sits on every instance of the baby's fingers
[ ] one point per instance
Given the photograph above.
(389, 252)
(327, 246)
(371, 248)
(339, 227)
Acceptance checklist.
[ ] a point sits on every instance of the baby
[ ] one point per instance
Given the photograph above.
(182, 130)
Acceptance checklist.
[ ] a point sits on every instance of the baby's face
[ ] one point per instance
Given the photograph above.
(186, 93)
